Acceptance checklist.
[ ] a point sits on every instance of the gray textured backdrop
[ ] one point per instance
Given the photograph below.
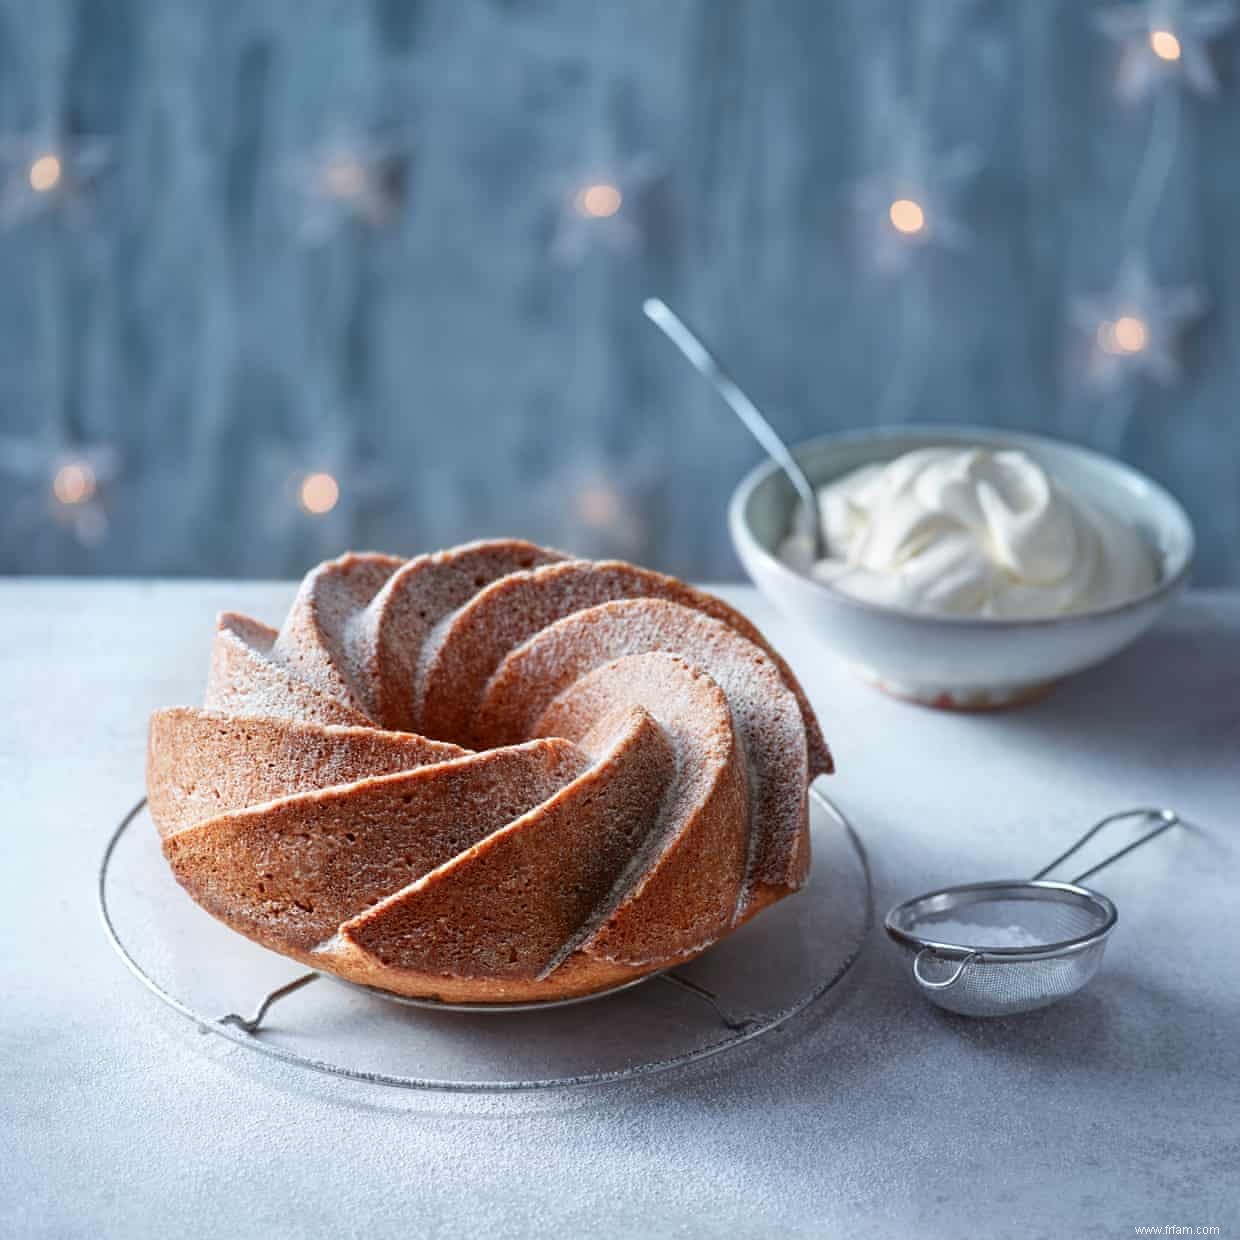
(460, 367)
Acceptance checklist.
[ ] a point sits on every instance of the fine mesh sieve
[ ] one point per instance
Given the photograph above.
(995, 949)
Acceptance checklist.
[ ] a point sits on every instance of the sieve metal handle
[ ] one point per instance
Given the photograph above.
(922, 980)
(1166, 818)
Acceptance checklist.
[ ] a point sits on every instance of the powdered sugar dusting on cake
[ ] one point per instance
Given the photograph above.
(245, 679)
(387, 639)
(469, 645)
(703, 825)
(666, 802)
(313, 640)
(764, 710)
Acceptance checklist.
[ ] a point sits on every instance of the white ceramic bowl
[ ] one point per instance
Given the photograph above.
(959, 662)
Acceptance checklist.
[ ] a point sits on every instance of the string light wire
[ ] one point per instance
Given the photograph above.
(928, 181)
(1135, 327)
(1155, 170)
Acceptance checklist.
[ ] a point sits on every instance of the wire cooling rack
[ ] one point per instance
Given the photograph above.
(758, 978)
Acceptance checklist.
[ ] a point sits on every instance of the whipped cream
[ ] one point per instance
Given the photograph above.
(968, 531)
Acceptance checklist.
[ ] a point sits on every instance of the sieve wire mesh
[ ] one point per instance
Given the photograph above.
(1006, 987)
(1009, 923)
(994, 949)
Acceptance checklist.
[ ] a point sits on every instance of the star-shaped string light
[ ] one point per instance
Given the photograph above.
(347, 179)
(65, 483)
(912, 205)
(1165, 41)
(599, 206)
(607, 516)
(1136, 327)
(595, 508)
(316, 485)
(41, 174)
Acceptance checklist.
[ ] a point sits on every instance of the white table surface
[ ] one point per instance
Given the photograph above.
(876, 1115)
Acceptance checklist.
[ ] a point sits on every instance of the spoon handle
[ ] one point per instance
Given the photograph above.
(706, 364)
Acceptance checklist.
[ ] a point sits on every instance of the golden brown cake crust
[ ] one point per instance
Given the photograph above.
(764, 711)
(639, 788)
(392, 632)
(505, 907)
(245, 679)
(202, 763)
(316, 637)
(689, 882)
(294, 870)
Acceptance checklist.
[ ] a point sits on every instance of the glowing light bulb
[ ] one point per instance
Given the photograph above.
(599, 506)
(1130, 334)
(599, 201)
(1125, 335)
(45, 174)
(318, 494)
(344, 177)
(74, 483)
(907, 216)
(1164, 45)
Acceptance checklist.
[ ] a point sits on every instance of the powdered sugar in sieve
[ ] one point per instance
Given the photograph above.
(995, 949)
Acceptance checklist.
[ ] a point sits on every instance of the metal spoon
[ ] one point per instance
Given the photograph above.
(807, 524)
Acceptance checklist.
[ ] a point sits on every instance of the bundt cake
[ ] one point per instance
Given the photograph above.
(491, 774)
